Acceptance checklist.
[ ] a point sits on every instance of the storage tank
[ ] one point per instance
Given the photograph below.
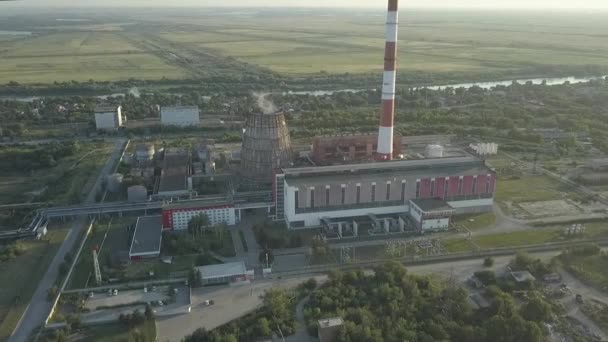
(114, 182)
(266, 147)
(144, 152)
(433, 151)
(137, 193)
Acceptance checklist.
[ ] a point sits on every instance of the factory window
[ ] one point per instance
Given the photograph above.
(297, 200)
(403, 191)
(417, 189)
(312, 197)
(358, 193)
(327, 196)
(388, 191)
(343, 199)
(446, 187)
(475, 185)
(373, 192)
(460, 186)
(432, 188)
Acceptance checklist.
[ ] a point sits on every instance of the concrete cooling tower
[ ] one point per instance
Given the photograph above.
(266, 147)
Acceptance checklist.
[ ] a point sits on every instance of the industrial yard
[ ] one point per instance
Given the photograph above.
(209, 193)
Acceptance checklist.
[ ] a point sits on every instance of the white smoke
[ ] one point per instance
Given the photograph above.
(265, 105)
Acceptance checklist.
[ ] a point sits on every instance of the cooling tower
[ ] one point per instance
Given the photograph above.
(266, 147)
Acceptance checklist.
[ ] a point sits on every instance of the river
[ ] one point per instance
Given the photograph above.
(485, 85)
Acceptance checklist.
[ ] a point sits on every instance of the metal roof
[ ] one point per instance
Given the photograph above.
(147, 236)
(431, 204)
(223, 270)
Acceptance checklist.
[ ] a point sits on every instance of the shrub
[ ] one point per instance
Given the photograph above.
(488, 262)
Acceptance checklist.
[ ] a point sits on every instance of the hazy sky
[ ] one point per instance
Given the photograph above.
(532, 4)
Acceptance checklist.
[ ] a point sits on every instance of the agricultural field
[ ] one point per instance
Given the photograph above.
(79, 56)
(20, 276)
(177, 44)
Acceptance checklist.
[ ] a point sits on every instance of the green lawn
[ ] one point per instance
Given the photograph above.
(116, 241)
(20, 277)
(531, 189)
(528, 237)
(475, 222)
(119, 333)
(457, 245)
(590, 269)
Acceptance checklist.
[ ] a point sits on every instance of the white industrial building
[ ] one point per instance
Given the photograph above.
(309, 196)
(233, 272)
(181, 116)
(177, 216)
(108, 117)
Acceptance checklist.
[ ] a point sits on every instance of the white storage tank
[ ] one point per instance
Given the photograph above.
(137, 193)
(114, 182)
(433, 151)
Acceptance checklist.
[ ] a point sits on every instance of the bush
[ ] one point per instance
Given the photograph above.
(486, 277)
(488, 262)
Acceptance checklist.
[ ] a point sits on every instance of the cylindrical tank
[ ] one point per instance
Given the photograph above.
(114, 182)
(137, 193)
(266, 147)
(433, 151)
(144, 152)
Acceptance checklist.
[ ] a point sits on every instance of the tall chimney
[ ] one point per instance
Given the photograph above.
(387, 116)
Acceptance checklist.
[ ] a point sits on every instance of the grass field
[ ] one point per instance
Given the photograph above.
(531, 189)
(79, 56)
(20, 277)
(304, 42)
(119, 333)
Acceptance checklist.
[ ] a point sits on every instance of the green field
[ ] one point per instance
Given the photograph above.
(79, 56)
(19, 277)
(531, 189)
(118, 333)
(176, 45)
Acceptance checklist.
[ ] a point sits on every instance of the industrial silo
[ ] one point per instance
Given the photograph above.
(266, 147)
(114, 182)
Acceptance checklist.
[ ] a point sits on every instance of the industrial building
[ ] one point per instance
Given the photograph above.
(266, 147)
(329, 329)
(181, 116)
(232, 272)
(430, 214)
(147, 238)
(306, 196)
(348, 148)
(176, 216)
(175, 179)
(108, 117)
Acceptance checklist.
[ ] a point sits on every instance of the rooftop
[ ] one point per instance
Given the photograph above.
(147, 236)
(204, 203)
(105, 109)
(179, 108)
(223, 270)
(522, 276)
(431, 204)
(330, 322)
(380, 172)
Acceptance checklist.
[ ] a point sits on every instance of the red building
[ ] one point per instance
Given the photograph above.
(348, 147)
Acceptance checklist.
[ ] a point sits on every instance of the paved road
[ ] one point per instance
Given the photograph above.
(39, 307)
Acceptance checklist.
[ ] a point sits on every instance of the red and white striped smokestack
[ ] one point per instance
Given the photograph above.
(387, 116)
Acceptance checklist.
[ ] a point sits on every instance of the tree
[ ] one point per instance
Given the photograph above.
(536, 310)
(194, 277)
(149, 313)
(263, 327)
(488, 262)
(197, 225)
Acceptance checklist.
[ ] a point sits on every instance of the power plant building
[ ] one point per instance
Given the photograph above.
(108, 117)
(177, 216)
(175, 180)
(348, 147)
(304, 197)
(147, 238)
(181, 116)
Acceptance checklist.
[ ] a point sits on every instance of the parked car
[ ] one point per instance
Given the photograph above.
(91, 295)
(145, 290)
(160, 303)
(115, 292)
